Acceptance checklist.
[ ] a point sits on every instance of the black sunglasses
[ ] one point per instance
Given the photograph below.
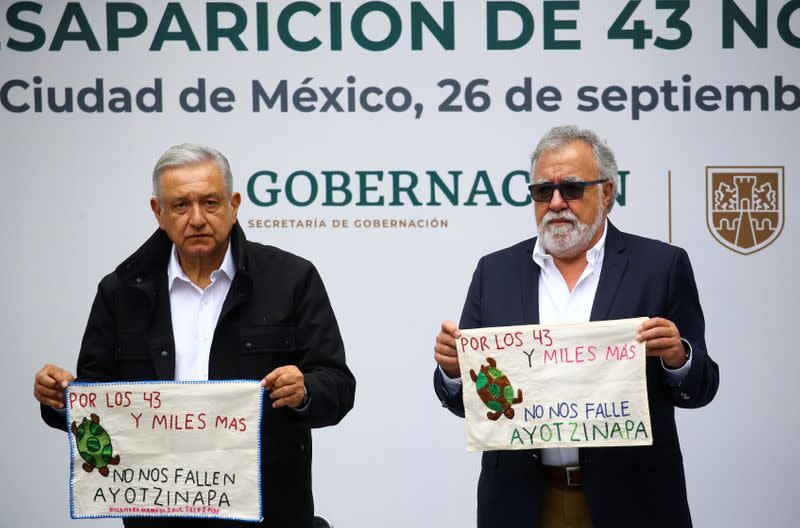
(569, 190)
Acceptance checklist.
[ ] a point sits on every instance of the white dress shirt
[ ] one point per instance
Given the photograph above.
(195, 313)
(559, 305)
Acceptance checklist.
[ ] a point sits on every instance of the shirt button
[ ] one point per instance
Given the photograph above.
(138, 280)
(164, 353)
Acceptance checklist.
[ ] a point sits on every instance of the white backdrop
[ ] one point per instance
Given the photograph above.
(77, 187)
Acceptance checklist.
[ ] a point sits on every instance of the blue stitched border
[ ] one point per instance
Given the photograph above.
(260, 418)
(72, 450)
(151, 382)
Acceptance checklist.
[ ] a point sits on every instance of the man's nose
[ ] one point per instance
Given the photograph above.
(557, 203)
(197, 219)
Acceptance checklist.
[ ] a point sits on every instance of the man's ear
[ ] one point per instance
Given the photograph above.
(236, 200)
(156, 207)
(608, 193)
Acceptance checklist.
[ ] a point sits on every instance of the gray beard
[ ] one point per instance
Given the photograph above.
(570, 240)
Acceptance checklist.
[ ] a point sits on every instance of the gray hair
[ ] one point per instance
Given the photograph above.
(187, 154)
(558, 137)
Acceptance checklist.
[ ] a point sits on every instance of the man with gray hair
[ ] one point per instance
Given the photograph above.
(198, 301)
(581, 268)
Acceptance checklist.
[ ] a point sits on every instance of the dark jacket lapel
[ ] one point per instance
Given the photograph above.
(614, 265)
(161, 340)
(242, 284)
(529, 290)
(146, 271)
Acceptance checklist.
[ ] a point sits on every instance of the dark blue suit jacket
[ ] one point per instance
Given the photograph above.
(625, 486)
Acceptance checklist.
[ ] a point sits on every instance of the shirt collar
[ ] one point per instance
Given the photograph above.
(540, 257)
(174, 270)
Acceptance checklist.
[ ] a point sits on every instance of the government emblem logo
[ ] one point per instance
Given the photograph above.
(744, 206)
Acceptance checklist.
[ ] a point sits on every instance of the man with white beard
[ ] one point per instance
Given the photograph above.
(582, 268)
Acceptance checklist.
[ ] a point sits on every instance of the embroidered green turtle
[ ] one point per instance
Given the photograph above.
(94, 445)
(495, 390)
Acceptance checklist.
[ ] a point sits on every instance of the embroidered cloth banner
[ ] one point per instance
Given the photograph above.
(566, 385)
(165, 449)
